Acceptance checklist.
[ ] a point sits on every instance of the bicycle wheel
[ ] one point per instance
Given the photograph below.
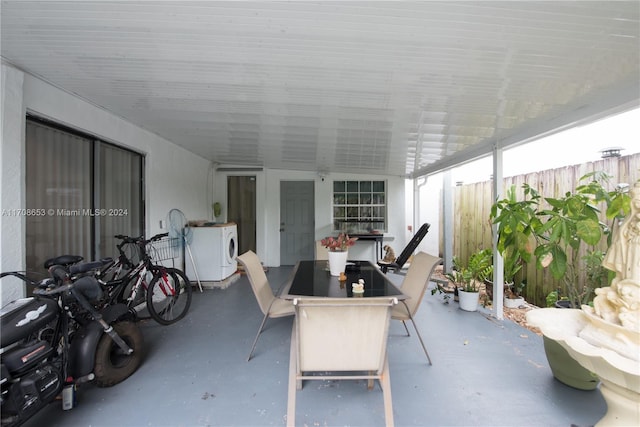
(169, 295)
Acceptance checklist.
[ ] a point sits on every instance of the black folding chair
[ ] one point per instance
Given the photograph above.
(407, 251)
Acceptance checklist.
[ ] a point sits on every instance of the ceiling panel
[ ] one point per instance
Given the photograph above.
(394, 88)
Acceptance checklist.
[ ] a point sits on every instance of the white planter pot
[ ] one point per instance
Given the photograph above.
(468, 300)
(513, 302)
(337, 262)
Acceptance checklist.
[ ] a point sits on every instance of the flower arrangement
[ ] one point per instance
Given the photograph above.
(338, 244)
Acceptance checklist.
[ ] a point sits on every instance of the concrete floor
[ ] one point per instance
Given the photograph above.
(485, 373)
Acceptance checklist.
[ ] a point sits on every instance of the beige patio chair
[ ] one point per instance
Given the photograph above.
(270, 305)
(340, 338)
(321, 253)
(414, 286)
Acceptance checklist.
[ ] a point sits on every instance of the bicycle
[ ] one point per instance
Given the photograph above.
(164, 292)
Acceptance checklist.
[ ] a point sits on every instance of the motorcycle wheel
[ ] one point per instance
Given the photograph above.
(112, 364)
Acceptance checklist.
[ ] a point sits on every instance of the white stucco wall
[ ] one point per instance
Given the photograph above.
(12, 255)
(174, 177)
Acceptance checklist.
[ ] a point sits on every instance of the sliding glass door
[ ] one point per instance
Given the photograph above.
(80, 192)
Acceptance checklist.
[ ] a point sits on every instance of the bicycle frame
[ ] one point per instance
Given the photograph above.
(141, 272)
(117, 286)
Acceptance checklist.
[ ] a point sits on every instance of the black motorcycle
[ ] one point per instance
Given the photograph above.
(57, 339)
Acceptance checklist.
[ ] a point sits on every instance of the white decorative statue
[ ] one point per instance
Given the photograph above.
(620, 302)
(605, 338)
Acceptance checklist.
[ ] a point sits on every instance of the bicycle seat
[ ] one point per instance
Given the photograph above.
(64, 260)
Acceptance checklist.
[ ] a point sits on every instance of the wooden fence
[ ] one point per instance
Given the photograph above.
(472, 206)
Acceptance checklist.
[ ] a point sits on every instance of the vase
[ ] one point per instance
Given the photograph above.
(468, 300)
(337, 262)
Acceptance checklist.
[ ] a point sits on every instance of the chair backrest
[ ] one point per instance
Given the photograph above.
(412, 245)
(342, 334)
(257, 278)
(322, 253)
(416, 280)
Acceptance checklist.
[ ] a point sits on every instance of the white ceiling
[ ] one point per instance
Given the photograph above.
(395, 88)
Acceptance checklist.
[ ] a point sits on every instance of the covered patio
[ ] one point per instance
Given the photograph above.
(485, 372)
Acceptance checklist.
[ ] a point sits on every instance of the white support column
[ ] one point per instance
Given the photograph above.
(498, 262)
(418, 183)
(447, 221)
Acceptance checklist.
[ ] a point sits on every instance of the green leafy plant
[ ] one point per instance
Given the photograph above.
(512, 266)
(558, 230)
(440, 289)
(469, 277)
(516, 221)
(552, 298)
(596, 275)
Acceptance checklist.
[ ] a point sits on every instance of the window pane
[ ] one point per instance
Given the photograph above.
(352, 213)
(339, 199)
(378, 186)
(352, 186)
(339, 187)
(120, 195)
(339, 213)
(365, 199)
(378, 212)
(365, 186)
(352, 198)
(378, 199)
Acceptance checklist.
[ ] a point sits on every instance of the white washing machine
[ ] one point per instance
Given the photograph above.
(214, 249)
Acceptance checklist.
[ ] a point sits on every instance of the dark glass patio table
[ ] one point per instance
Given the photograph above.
(312, 278)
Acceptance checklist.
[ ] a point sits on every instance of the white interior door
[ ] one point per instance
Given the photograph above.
(297, 221)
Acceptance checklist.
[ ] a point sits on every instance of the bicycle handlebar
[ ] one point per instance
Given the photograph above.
(158, 237)
(140, 239)
(40, 284)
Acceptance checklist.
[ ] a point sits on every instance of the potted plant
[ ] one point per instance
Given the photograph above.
(514, 283)
(338, 252)
(513, 295)
(468, 278)
(217, 209)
